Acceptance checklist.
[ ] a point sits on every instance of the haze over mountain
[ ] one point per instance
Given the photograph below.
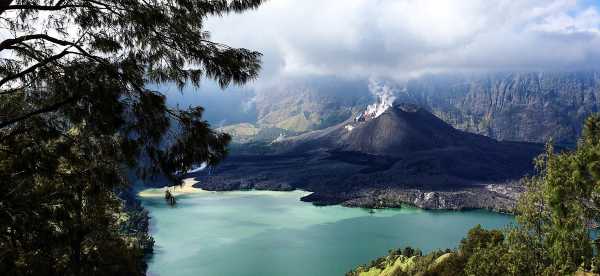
(531, 107)
(475, 64)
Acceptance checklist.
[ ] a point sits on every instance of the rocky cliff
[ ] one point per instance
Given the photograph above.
(531, 107)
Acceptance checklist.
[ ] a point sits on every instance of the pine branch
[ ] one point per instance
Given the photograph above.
(41, 8)
(46, 109)
(4, 5)
(49, 59)
(33, 67)
(13, 41)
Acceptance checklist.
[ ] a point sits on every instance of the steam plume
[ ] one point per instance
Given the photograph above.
(385, 98)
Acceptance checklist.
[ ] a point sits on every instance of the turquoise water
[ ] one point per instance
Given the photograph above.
(273, 233)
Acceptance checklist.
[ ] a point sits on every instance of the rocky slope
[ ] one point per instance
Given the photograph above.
(304, 105)
(300, 106)
(406, 155)
(532, 107)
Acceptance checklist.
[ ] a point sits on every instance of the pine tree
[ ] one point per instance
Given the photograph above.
(76, 115)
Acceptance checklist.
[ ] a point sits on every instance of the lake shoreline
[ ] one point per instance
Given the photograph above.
(500, 198)
(483, 198)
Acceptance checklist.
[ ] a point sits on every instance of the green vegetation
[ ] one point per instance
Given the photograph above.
(411, 261)
(77, 119)
(241, 133)
(552, 236)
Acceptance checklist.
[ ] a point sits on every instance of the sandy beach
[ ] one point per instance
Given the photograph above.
(185, 188)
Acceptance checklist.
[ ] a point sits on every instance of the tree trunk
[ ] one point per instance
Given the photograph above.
(77, 237)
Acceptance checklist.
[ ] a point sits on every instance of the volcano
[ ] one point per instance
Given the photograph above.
(399, 131)
(403, 155)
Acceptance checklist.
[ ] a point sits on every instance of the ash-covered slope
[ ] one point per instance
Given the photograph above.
(406, 132)
(399, 130)
(402, 155)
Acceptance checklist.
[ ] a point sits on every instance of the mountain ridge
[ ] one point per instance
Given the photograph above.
(511, 106)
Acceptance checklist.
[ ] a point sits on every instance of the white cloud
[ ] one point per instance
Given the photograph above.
(400, 39)
(587, 21)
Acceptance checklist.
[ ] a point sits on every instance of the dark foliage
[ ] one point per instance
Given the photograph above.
(76, 115)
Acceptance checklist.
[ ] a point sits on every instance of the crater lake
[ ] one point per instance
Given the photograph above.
(262, 233)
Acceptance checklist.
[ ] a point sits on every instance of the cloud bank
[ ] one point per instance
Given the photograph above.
(406, 38)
